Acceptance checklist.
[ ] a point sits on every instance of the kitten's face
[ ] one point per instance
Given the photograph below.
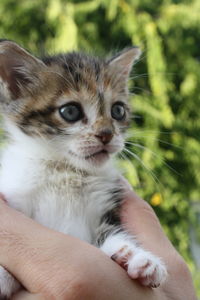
(75, 104)
(92, 126)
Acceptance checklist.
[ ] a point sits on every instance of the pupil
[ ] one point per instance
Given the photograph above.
(119, 110)
(72, 110)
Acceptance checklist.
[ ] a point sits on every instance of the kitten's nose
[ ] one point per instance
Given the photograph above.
(105, 136)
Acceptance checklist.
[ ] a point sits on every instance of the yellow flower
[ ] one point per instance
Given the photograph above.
(156, 199)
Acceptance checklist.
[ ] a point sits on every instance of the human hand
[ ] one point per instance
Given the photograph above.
(51, 265)
(139, 218)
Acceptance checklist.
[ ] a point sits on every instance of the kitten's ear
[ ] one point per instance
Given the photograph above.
(124, 61)
(18, 70)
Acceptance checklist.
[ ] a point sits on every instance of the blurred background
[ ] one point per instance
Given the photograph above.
(162, 160)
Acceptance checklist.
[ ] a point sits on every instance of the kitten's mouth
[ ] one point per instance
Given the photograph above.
(99, 156)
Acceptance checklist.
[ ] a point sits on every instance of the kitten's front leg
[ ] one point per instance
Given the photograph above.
(8, 284)
(140, 264)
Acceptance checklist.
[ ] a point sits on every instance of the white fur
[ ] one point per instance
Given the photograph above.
(64, 200)
(56, 199)
(8, 284)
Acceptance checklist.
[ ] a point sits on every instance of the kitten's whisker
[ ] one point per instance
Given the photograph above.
(154, 177)
(153, 131)
(139, 76)
(151, 74)
(140, 89)
(126, 158)
(123, 155)
(138, 134)
(136, 117)
(156, 139)
(154, 154)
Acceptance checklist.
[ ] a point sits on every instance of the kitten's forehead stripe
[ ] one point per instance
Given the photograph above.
(101, 102)
(80, 70)
(97, 70)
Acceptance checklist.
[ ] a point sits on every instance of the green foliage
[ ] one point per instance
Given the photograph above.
(165, 133)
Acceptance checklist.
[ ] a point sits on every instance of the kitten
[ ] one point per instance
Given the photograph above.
(66, 116)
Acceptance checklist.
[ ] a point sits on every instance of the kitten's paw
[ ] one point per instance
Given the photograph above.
(147, 268)
(8, 284)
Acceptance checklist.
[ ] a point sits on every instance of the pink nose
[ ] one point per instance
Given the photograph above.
(105, 136)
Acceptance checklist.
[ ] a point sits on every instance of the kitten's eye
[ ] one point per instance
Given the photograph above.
(71, 112)
(118, 111)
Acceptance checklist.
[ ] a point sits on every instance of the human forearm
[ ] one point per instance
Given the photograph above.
(140, 219)
(51, 265)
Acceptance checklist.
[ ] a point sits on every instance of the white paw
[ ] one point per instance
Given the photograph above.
(8, 284)
(148, 269)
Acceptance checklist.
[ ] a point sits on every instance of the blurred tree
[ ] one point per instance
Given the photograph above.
(163, 151)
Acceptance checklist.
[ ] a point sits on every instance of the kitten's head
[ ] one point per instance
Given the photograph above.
(76, 104)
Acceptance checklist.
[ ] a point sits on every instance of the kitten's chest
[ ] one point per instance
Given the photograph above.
(74, 204)
(65, 201)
